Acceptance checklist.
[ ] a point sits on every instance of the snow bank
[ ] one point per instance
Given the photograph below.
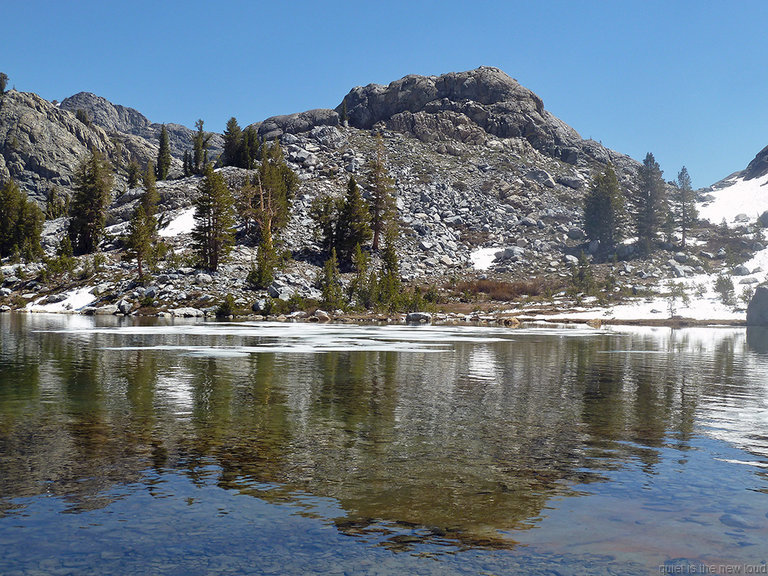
(740, 196)
(482, 258)
(182, 224)
(74, 300)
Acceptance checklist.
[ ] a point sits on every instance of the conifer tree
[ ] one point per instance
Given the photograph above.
(604, 210)
(187, 164)
(3, 82)
(21, 223)
(56, 204)
(251, 149)
(684, 202)
(352, 227)
(360, 289)
(200, 148)
(142, 230)
(650, 202)
(325, 210)
(330, 284)
(88, 209)
(388, 284)
(134, 173)
(139, 240)
(233, 144)
(163, 155)
(213, 235)
(382, 205)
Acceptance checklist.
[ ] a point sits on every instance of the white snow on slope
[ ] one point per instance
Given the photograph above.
(75, 300)
(482, 258)
(182, 224)
(748, 197)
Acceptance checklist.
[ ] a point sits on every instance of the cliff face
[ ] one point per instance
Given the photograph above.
(41, 145)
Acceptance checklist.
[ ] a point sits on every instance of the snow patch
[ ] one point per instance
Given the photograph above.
(74, 301)
(482, 258)
(740, 196)
(184, 223)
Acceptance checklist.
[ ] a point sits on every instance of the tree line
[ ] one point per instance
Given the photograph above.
(655, 208)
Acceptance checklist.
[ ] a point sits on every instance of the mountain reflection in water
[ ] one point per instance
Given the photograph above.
(464, 437)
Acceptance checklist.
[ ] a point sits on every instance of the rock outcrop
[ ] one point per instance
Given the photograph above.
(468, 106)
(123, 121)
(758, 166)
(41, 145)
(757, 311)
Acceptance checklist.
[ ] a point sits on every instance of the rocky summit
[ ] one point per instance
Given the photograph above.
(488, 184)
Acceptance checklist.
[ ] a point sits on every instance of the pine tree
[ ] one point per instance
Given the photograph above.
(187, 164)
(163, 155)
(3, 82)
(352, 228)
(150, 199)
(684, 201)
(139, 240)
(134, 173)
(382, 205)
(388, 284)
(360, 289)
(200, 148)
(329, 284)
(650, 202)
(604, 210)
(56, 204)
(93, 187)
(233, 144)
(21, 223)
(266, 201)
(251, 149)
(325, 210)
(213, 235)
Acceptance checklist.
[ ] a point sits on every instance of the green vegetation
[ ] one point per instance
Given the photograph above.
(163, 155)
(604, 211)
(651, 203)
(724, 287)
(88, 209)
(382, 206)
(21, 223)
(213, 235)
(3, 82)
(684, 204)
(200, 142)
(142, 230)
(352, 229)
(330, 285)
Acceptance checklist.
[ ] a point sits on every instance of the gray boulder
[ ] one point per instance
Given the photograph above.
(740, 270)
(757, 311)
(418, 318)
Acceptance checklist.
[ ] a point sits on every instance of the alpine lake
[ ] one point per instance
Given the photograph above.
(132, 446)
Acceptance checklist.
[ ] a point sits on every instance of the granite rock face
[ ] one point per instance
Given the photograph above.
(758, 166)
(757, 311)
(466, 106)
(41, 144)
(125, 122)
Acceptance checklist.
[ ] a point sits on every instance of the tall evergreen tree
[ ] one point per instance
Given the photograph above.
(382, 205)
(684, 203)
(604, 210)
(142, 230)
(266, 201)
(325, 210)
(233, 144)
(650, 202)
(56, 204)
(134, 173)
(388, 285)
(250, 151)
(3, 82)
(187, 164)
(352, 227)
(200, 143)
(329, 284)
(88, 209)
(163, 155)
(21, 223)
(213, 235)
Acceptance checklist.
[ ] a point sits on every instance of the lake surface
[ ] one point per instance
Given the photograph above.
(148, 447)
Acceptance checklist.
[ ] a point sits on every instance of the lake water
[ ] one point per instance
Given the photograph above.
(147, 447)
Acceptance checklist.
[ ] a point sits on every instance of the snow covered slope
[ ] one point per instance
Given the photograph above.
(739, 196)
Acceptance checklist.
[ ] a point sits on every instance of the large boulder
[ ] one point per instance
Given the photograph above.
(757, 311)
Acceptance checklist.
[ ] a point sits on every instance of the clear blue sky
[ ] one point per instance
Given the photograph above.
(685, 80)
